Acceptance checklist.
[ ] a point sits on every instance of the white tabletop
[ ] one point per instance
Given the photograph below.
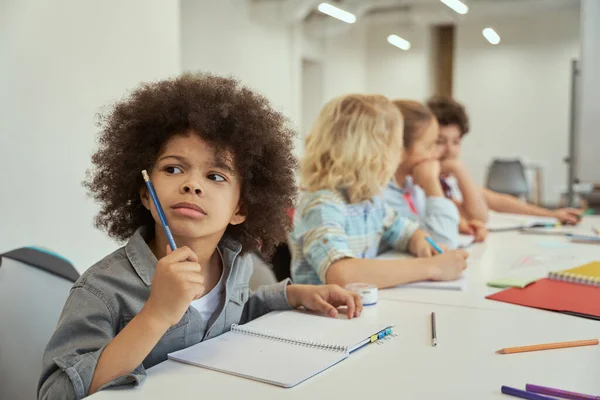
(506, 254)
(464, 364)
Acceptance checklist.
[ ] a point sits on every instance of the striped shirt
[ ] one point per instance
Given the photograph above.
(327, 228)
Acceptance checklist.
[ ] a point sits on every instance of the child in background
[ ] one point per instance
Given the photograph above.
(415, 191)
(454, 124)
(221, 162)
(342, 219)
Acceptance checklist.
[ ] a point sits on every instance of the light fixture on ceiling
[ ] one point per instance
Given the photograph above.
(491, 35)
(337, 13)
(457, 6)
(398, 42)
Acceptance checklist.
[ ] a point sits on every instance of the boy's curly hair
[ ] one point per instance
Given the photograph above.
(223, 113)
(449, 112)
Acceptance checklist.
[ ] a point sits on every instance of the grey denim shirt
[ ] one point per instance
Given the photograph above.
(109, 294)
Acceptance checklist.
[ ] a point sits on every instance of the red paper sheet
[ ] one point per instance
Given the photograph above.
(555, 296)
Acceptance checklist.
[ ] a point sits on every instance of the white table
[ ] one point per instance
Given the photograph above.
(464, 364)
(502, 255)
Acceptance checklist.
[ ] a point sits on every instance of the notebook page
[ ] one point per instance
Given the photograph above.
(308, 326)
(270, 361)
(459, 284)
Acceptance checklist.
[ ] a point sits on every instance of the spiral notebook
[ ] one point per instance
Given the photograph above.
(282, 348)
(588, 274)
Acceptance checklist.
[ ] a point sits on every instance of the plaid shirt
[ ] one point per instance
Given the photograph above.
(327, 228)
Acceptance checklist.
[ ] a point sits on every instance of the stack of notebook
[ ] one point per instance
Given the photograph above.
(574, 291)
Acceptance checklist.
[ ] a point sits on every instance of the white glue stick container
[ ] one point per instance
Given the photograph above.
(367, 292)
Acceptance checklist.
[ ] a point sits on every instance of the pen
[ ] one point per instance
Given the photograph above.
(434, 245)
(433, 331)
(159, 210)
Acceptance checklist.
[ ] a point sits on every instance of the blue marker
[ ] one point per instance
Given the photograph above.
(434, 245)
(159, 210)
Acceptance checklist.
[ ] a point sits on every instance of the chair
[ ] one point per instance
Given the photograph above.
(508, 176)
(34, 285)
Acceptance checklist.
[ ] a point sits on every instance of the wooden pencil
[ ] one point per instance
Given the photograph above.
(547, 346)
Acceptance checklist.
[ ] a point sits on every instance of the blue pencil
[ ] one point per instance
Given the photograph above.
(159, 210)
(434, 245)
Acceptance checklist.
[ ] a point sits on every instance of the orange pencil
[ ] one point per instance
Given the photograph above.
(548, 346)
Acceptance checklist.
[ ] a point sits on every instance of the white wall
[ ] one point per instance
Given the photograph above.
(222, 37)
(588, 137)
(344, 62)
(60, 62)
(517, 93)
(396, 73)
(312, 93)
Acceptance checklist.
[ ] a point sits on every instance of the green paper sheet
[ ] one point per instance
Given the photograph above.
(511, 282)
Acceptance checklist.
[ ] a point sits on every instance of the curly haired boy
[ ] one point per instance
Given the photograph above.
(221, 162)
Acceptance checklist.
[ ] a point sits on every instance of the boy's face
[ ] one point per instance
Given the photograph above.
(449, 142)
(199, 193)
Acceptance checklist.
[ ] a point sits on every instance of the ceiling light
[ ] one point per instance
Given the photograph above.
(338, 13)
(398, 42)
(457, 6)
(491, 35)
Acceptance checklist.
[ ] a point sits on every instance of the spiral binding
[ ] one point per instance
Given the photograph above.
(575, 278)
(290, 340)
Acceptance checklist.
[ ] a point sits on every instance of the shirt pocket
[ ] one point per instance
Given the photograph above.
(172, 340)
(235, 305)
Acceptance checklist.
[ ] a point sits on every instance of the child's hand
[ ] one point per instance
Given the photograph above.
(426, 171)
(451, 166)
(473, 227)
(419, 247)
(567, 215)
(325, 299)
(479, 230)
(449, 266)
(176, 282)
(464, 227)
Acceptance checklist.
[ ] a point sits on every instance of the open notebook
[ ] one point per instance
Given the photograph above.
(499, 222)
(282, 348)
(569, 231)
(459, 284)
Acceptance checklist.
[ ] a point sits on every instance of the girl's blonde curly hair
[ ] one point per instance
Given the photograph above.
(354, 147)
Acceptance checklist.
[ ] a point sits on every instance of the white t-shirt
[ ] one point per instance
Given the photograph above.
(208, 303)
(453, 183)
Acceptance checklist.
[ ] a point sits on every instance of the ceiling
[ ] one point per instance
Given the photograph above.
(409, 11)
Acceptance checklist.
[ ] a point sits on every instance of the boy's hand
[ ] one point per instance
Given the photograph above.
(569, 216)
(419, 247)
(325, 299)
(176, 282)
(449, 266)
